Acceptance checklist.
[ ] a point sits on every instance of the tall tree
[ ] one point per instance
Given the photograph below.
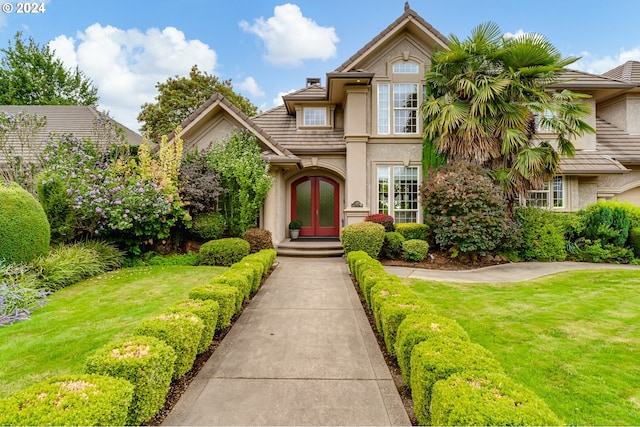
(30, 74)
(179, 97)
(483, 96)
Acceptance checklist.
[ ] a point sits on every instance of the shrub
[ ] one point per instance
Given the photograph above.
(252, 270)
(207, 311)
(72, 400)
(414, 250)
(24, 229)
(634, 241)
(416, 328)
(607, 223)
(110, 256)
(147, 363)
(437, 359)
(57, 205)
(200, 186)
(238, 280)
(226, 296)
(384, 291)
(374, 277)
(258, 239)
(180, 331)
(383, 219)
(543, 236)
(363, 236)
(465, 209)
(188, 259)
(413, 231)
(208, 226)
(224, 252)
(593, 251)
(485, 400)
(267, 257)
(394, 311)
(392, 245)
(354, 256)
(66, 265)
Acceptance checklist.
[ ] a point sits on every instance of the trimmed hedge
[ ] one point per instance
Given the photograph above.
(258, 239)
(417, 328)
(70, 400)
(634, 241)
(437, 359)
(252, 270)
(243, 281)
(207, 311)
(226, 296)
(24, 229)
(414, 250)
(393, 311)
(147, 363)
(387, 290)
(224, 252)
(413, 231)
(363, 236)
(354, 256)
(180, 331)
(392, 245)
(267, 257)
(489, 399)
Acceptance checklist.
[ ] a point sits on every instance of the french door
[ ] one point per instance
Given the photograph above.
(315, 202)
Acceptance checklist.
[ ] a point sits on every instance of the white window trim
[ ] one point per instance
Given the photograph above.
(403, 70)
(314, 109)
(549, 191)
(391, 210)
(384, 129)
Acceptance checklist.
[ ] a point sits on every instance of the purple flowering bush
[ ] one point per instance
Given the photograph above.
(18, 293)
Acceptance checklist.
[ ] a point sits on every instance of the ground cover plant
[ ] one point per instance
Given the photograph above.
(573, 338)
(81, 318)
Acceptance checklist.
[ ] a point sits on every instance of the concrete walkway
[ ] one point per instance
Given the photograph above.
(513, 272)
(302, 353)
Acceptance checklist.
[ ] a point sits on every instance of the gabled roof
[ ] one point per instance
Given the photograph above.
(591, 163)
(77, 119)
(282, 127)
(274, 152)
(572, 79)
(617, 143)
(410, 21)
(629, 72)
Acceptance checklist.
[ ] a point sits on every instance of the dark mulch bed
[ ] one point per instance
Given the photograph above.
(441, 260)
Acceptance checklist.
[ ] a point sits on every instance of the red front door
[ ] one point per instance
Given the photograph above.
(315, 202)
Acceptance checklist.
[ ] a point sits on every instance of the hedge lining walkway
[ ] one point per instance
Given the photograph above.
(302, 353)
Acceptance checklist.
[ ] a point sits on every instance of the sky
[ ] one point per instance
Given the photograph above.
(268, 48)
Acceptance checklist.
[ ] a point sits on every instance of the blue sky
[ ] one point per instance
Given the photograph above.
(268, 48)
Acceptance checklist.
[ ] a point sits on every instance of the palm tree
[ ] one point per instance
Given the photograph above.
(483, 98)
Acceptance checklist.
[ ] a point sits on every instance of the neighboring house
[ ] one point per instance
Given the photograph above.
(81, 121)
(352, 147)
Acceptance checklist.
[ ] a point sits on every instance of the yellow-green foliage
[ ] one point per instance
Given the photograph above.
(393, 311)
(437, 359)
(363, 236)
(252, 270)
(417, 328)
(207, 311)
(384, 291)
(180, 331)
(147, 363)
(226, 296)
(236, 280)
(24, 229)
(413, 230)
(72, 400)
(489, 399)
(224, 252)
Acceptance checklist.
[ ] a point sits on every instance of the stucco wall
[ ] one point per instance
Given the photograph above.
(622, 187)
(622, 112)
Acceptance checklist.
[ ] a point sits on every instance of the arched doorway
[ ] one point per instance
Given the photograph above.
(315, 200)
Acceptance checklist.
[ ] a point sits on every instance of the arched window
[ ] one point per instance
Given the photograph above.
(405, 67)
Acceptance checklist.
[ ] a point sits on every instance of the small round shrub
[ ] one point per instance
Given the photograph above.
(71, 400)
(490, 399)
(392, 246)
(226, 296)
(606, 222)
(382, 219)
(414, 250)
(437, 359)
(258, 239)
(224, 252)
(542, 235)
(385, 291)
(146, 362)
(208, 226)
(24, 229)
(363, 236)
(413, 230)
(207, 311)
(634, 241)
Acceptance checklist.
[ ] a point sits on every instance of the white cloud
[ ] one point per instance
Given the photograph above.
(250, 86)
(278, 99)
(126, 65)
(515, 35)
(599, 64)
(291, 38)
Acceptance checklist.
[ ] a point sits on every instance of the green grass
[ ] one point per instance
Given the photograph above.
(81, 318)
(573, 338)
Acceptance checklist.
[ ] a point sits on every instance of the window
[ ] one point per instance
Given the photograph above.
(405, 108)
(398, 192)
(405, 67)
(315, 117)
(551, 196)
(540, 126)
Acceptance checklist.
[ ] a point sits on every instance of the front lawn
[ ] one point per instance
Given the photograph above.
(81, 318)
(574, 338)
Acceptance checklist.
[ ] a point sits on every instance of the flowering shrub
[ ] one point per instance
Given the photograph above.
(18, 295)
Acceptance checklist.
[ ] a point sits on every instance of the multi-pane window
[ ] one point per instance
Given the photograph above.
(384, 118)
(541, 126)
(315, 117)
(405, 108)
(551, 195)
(405, 67)
(398, 192)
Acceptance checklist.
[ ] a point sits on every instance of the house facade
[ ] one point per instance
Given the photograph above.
(352, 147)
